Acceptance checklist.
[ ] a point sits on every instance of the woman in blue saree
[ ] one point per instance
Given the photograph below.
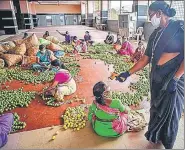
(165, 51)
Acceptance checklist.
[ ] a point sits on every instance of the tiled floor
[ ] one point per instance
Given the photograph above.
(85, 138)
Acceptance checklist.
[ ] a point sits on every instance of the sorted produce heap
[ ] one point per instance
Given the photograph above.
(11, 99)
(72, 65)
(66, 48)
(140, 88)
(26, 75)
(75, 117)
(17, 124)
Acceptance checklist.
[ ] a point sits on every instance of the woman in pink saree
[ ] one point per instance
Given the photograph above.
(126, 48)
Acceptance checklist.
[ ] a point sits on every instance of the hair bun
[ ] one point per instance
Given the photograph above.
(172, 12)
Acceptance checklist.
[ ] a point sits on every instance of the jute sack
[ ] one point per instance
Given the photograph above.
(31, 41)
(53, 39)
(53, 47)
(8, 45)
(2, 63)
(11, 59)
(18, 42)
(29, 60)
(2, 50)
(19, 49)
(32, 51)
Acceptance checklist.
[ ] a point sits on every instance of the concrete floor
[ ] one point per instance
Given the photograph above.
(84, 138)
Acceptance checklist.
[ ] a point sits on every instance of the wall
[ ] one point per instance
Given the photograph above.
(54, 9)
(112, 25)
(5, 5)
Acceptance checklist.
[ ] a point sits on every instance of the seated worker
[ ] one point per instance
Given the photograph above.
(46, 34)
(109, 117)
(119, 39)
(6, 123)
(84, 46)
(109, 39)
(45, 58)
(138, 53)
(25, 35)
(126, 48)
(63, 84)
(76, 45)
(67, 37)
(87, 38)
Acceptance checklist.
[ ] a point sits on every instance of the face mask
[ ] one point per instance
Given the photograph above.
(43, 51)
(155, 21)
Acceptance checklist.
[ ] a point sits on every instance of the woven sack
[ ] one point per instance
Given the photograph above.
(19, 49)
(53, 47)
(32, 51)
(2, 63)
(31, 41)
(11, 59)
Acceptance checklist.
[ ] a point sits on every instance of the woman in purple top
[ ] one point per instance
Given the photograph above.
(87, 38)
(63, 84)
(67, 37)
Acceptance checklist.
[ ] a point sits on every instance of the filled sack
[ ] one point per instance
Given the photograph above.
(18, 42)
(43, 41)
(2, 64)
(53, 47)
(11, 59)
(19, 49)
(2, 50)
(53, 39)
(31, 41)
(8, 45)
(32, 51)
(29, 60)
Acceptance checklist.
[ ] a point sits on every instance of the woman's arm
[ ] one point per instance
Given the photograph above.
(139, 65)
(180, 71)
(53, 85)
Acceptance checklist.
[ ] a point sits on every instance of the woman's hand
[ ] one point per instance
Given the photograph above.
(172, 85)
(123, 76)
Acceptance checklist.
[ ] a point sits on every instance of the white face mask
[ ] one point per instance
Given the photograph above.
(155, 21)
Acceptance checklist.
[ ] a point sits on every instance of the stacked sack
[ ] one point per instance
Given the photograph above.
(14, 52)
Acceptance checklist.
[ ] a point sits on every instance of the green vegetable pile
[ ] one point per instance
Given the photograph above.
(17, 124)
(140, 89)
(25, 75)
(72, 65)
(9, 99)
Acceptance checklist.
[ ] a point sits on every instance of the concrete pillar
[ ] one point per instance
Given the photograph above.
(26, 11)
(104, 11)
(83, 12)
(8, 21)
(89, 20)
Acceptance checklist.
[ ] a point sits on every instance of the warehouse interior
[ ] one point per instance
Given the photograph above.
(44, 128)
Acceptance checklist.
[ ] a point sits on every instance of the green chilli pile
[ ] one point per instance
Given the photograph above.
(25, 75)
(74, 118)
(17, 124)
(10, 99)
(140, 89)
